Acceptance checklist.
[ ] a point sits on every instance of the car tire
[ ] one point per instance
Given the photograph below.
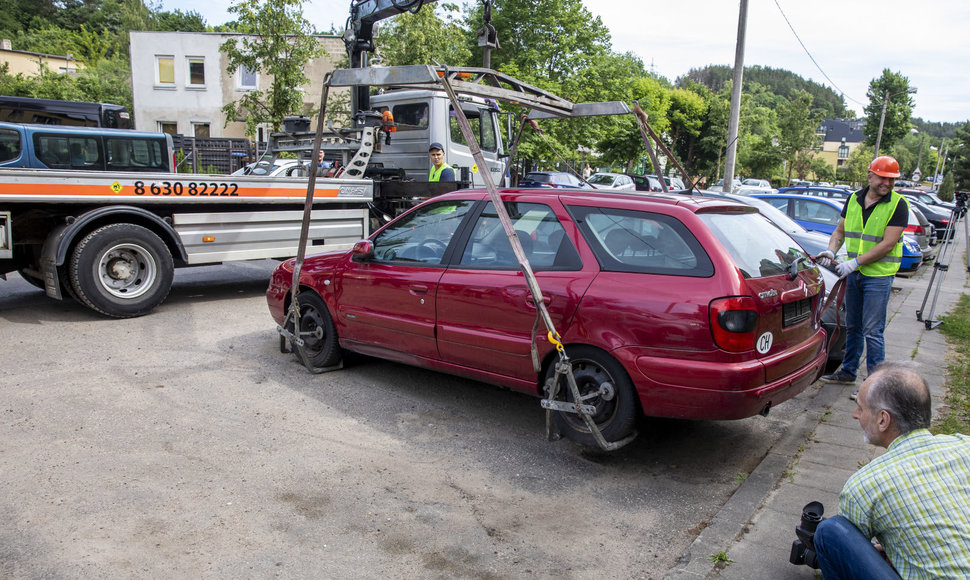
(615, 415)
(319, 333)
(121, 270)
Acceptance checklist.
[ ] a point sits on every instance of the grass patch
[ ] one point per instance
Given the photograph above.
(721, 558)
(956, 327)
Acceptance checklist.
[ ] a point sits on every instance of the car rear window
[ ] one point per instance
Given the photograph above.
(540, 177)
(757, 246)
(644, 242)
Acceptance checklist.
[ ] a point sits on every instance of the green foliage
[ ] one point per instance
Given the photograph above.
(857, 170)
(947, 187)
(956, 327)
(280, 47)
(796, 127)
(785, 84)
(424, 38)
(960, 164)
(899, 107)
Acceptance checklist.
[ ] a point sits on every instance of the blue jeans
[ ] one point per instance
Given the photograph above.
(866, 303)
(844, 553)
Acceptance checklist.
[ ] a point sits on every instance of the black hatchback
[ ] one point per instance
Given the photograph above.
(553, 179)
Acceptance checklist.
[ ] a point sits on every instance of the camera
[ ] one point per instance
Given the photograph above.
(803, 548)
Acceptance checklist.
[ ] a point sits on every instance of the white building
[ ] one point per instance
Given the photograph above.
(180, 84)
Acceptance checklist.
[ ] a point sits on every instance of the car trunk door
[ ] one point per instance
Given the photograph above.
(787, 335)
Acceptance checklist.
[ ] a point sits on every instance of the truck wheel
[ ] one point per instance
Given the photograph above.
(616, 409)
(121, 270)
(318, 331)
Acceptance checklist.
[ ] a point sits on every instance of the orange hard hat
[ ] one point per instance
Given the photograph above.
(885, 166)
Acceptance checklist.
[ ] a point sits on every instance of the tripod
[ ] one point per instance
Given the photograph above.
(942, 264)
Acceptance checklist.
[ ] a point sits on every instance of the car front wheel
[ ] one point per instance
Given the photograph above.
(319, 334)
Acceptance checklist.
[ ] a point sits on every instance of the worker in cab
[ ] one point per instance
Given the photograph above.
(440, 171)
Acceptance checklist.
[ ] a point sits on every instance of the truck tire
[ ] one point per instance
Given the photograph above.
(121, 270)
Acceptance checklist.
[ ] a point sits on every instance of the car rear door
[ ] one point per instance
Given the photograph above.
(485, 309)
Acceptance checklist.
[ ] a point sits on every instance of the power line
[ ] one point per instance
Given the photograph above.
(812, 57)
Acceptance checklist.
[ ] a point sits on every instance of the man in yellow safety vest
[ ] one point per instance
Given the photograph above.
(872, 225)
(440, 171)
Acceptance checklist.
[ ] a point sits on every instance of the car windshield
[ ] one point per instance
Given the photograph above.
(601, 179)
(757, 247)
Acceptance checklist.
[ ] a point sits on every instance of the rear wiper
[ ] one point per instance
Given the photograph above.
(793, 268)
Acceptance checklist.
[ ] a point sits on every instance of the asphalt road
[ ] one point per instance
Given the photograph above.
(184, 444)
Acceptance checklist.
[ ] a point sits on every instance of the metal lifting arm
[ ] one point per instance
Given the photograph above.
(359, 35)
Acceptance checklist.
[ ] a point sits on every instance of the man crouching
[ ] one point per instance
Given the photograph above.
(914, 499)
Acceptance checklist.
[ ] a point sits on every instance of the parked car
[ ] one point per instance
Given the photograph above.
(938, 216)
(645, 182)
(673, 183)
(612, 181)
(926, 197)
(814, 243)
(719, 185)
(822, 214)
(727, 329)
(922, 231)
(277, 168)
(833, 192)
(912, 255)
(753, 186)
(554, 179)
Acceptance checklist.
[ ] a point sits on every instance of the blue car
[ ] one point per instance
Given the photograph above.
(822, 214)
(817, 191)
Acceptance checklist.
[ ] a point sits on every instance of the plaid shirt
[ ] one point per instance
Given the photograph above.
(915, 498)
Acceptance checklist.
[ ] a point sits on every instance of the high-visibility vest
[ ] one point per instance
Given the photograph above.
(859, 239)
(436, 172)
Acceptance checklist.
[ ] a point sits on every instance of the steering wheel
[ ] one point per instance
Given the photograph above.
(431, 249)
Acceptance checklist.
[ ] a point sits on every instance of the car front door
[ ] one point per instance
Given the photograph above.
(387, 300)
(485, 310)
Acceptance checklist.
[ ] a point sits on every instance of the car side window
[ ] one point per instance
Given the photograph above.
(540, 233)
(816, 212)
(9, 145)
(421, 236)
(643, 242)
(779, 202)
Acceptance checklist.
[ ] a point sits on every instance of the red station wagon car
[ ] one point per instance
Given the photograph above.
(669, 306)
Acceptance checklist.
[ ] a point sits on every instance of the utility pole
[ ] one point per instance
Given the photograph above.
(939, 157)
(732, 137)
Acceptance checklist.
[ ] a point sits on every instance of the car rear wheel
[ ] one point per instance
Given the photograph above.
(613, 396)
(319, 334)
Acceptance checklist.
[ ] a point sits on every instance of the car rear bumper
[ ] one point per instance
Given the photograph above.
(716, 391)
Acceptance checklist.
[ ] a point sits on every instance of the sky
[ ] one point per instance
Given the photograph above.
(851, 41)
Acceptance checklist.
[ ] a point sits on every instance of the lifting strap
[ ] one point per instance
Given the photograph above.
(563, 366)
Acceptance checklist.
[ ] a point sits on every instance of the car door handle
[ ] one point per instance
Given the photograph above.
(531, 300)
(418, 289)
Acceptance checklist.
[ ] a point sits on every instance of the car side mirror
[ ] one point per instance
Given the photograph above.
(363, 250)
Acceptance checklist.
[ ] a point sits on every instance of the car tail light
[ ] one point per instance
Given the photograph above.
(733, 323)
(916, 229)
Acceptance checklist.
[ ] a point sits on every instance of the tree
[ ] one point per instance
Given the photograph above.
(857, 170)
(960, 164)
(796, 128)
(280, 46)
(423, 38)
(899, 107)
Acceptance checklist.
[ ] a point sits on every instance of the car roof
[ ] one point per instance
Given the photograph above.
(608, 197)
(835, 202)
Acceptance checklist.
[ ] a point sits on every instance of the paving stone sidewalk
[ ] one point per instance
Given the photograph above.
(824, 447)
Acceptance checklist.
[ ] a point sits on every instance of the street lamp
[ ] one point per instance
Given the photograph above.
(882, 118)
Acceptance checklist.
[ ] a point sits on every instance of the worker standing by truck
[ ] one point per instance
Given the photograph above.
(440, 171)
